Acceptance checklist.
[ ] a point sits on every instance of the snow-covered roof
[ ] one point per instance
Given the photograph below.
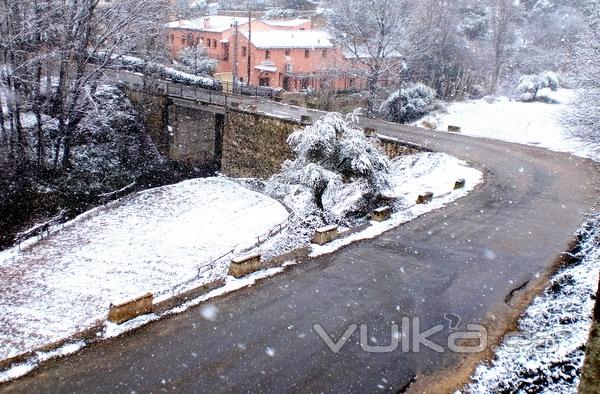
(215, 23)
(290, 39)
(286, 22)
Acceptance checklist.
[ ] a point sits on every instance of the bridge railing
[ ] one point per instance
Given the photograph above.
(197, 94)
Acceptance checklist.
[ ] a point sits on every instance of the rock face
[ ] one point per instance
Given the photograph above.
(111, 147)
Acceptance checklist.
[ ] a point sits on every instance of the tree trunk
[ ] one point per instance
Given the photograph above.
(3, 138)
(37, 104)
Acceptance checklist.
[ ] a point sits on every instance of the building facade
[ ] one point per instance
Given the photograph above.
(286, 54)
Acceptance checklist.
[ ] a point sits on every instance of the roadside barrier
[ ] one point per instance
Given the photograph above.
(425, 198)
(122, 311)
(244, 265)
(459, 184)
(325, 235)
(381, 214)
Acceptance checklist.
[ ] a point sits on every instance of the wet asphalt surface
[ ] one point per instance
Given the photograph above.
(463, 259)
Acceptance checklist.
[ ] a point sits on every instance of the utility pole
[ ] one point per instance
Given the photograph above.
(248, 52)
(235, 56)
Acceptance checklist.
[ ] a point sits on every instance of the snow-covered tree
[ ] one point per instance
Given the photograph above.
(584, 120)
(333, 159)
(408, 104)
(378, 38)
(197, 60)
(530, 85)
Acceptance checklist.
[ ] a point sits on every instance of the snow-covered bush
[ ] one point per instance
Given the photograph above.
(408, 104)
(197, 60)
(338, 173)
(530, 85)
(280, 13)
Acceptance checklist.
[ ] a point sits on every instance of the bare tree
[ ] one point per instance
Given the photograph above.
(584, 120)
(69, 43)
(376, 37)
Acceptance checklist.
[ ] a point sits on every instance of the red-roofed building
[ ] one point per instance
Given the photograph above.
(283, 53)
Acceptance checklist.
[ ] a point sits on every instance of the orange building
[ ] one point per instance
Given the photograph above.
(287, 54)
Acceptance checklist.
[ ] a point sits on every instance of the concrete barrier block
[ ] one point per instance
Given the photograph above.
(459, 184)
(382, 214)
(428, 125)
(370, 131)
(122, 311)
(325, 235)
(244, 265)
(425, 198)
(453, 129)
(306, 119)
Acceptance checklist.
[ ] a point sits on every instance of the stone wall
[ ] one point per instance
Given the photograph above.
(193, 135)
(180, 130)
(153, 110)
(393, 148)
(255, 145)
(238, 143)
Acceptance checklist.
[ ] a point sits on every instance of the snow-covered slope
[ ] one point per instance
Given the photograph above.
(150, 241)
(534, 123)
(546, 355)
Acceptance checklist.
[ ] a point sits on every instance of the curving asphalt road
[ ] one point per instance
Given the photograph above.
(464, 259)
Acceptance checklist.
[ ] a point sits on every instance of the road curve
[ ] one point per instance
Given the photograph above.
(262, 340)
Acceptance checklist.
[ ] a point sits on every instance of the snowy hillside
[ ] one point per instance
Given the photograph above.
(149, 241)
(536, 123)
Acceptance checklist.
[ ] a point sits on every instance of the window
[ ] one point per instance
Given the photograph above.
(172, 38)
(267, 54)
(307, 53)
(225, 51)
(324, 53)
(214, 43)
(244, 51)
(288, 52)
(183, 41)
(289, 68)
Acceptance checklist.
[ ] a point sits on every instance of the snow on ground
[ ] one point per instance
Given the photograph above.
(413, 175)
(535, 123)
(149, 241)
(546, 355)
